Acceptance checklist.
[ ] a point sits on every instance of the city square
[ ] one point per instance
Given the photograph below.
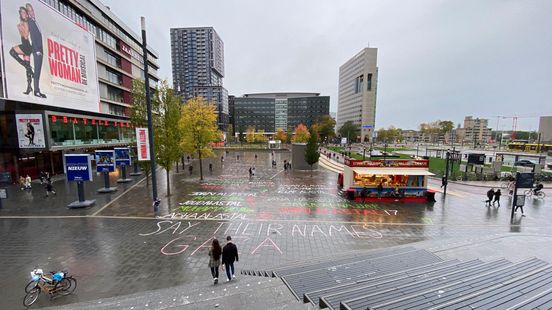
(275, 155)
(276, 217)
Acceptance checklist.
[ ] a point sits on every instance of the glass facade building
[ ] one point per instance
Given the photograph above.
(271, 111)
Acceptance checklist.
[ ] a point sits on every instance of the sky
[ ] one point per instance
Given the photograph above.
(438, 60)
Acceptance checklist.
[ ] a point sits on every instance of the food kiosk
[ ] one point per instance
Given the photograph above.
(386, 180)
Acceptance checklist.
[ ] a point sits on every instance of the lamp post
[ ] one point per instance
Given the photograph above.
(150, 124)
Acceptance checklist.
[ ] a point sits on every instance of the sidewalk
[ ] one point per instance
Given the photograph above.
(34, 202)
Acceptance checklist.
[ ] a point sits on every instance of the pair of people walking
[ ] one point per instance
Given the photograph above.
(228, 255)
(492, 194)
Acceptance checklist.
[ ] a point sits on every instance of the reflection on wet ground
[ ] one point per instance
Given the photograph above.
(275, 217)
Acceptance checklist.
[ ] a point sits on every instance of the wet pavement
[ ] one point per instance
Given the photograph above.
(276, 217)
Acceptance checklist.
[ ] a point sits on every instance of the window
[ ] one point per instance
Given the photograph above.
(114, 77)
(359, 82)
(369, 82)
(112, 59)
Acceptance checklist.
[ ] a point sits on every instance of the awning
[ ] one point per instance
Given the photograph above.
(392, 171)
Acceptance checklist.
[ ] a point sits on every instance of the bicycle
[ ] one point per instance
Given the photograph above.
(530, 193)
(60, 283)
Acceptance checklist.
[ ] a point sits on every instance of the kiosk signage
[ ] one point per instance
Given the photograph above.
(105, 161)
(79, 169)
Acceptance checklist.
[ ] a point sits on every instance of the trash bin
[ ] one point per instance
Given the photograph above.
(430, 196)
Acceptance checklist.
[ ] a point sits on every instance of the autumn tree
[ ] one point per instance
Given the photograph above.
(311, 152)
(301, 134)
(280, 135)
(260, 137)
(198, 124)
(324, 127)
(445, 127)
(250, 135)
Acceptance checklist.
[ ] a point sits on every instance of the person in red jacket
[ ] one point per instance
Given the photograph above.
(229, 256)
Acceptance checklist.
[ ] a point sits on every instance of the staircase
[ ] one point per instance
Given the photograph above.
(410, 278)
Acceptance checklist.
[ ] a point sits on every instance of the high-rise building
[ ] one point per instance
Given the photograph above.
(358, 82)
(198, 67)
(271, 111)
(74, 94)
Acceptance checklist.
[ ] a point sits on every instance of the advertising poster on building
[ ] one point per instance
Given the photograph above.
(48, 59)
(142, 143)
(30, 131)
(105, 161)
(78, 167)
(122, 156)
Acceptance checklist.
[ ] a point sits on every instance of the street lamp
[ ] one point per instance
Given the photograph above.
(150, 125)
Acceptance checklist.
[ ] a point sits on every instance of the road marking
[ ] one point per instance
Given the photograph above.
(117, 198)
(448, 191)
(276, 174)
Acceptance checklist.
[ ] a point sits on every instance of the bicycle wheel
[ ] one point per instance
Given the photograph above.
(30, 286)
(67, 286)
(31, 297)
(541, 195)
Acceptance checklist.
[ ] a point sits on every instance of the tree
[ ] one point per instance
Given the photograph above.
(311, 152)
(199, 128)
(325, 127)
(301, 134)
(260, 137)
(445, 127)
(349, 130)
(250, 135)
(240, 134)
(139, 116)
(167, 132)
(280, 135)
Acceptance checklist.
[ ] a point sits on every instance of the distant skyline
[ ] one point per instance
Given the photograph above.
(437, 59)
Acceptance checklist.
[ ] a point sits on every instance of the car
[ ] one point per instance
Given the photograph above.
(524, 163)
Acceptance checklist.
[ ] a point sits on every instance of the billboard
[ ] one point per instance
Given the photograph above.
(105, 161)
(48, 59)
(78, 167)
(30, 131)
(122, 156)
(142, 143)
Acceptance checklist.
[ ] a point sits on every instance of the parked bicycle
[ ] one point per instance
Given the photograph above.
(55, 283)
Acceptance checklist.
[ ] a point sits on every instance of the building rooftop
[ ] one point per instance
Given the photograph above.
(281, 95)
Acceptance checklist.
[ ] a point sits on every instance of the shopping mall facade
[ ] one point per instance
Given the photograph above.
(65, 84)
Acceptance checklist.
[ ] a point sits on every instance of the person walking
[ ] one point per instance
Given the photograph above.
(255, 156)
(222, 159)
(250, 172)
(49, 188)
(519, 207)
(490, 195)
(215, 253)
(497, 195)
(28, 182)
(210, 167)
(22, 182)
(229, 256)
(191, 169)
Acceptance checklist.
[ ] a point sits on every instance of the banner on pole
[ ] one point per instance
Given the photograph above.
(142, 144)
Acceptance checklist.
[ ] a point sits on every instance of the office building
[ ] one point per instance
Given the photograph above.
(271, 111)
(198, 67)
(358, 82)
(74, 95)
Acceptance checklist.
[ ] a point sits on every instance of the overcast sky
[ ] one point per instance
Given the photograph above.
(437, 59)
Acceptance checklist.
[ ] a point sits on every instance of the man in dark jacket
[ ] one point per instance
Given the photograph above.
(490, 195)
(229, 255)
